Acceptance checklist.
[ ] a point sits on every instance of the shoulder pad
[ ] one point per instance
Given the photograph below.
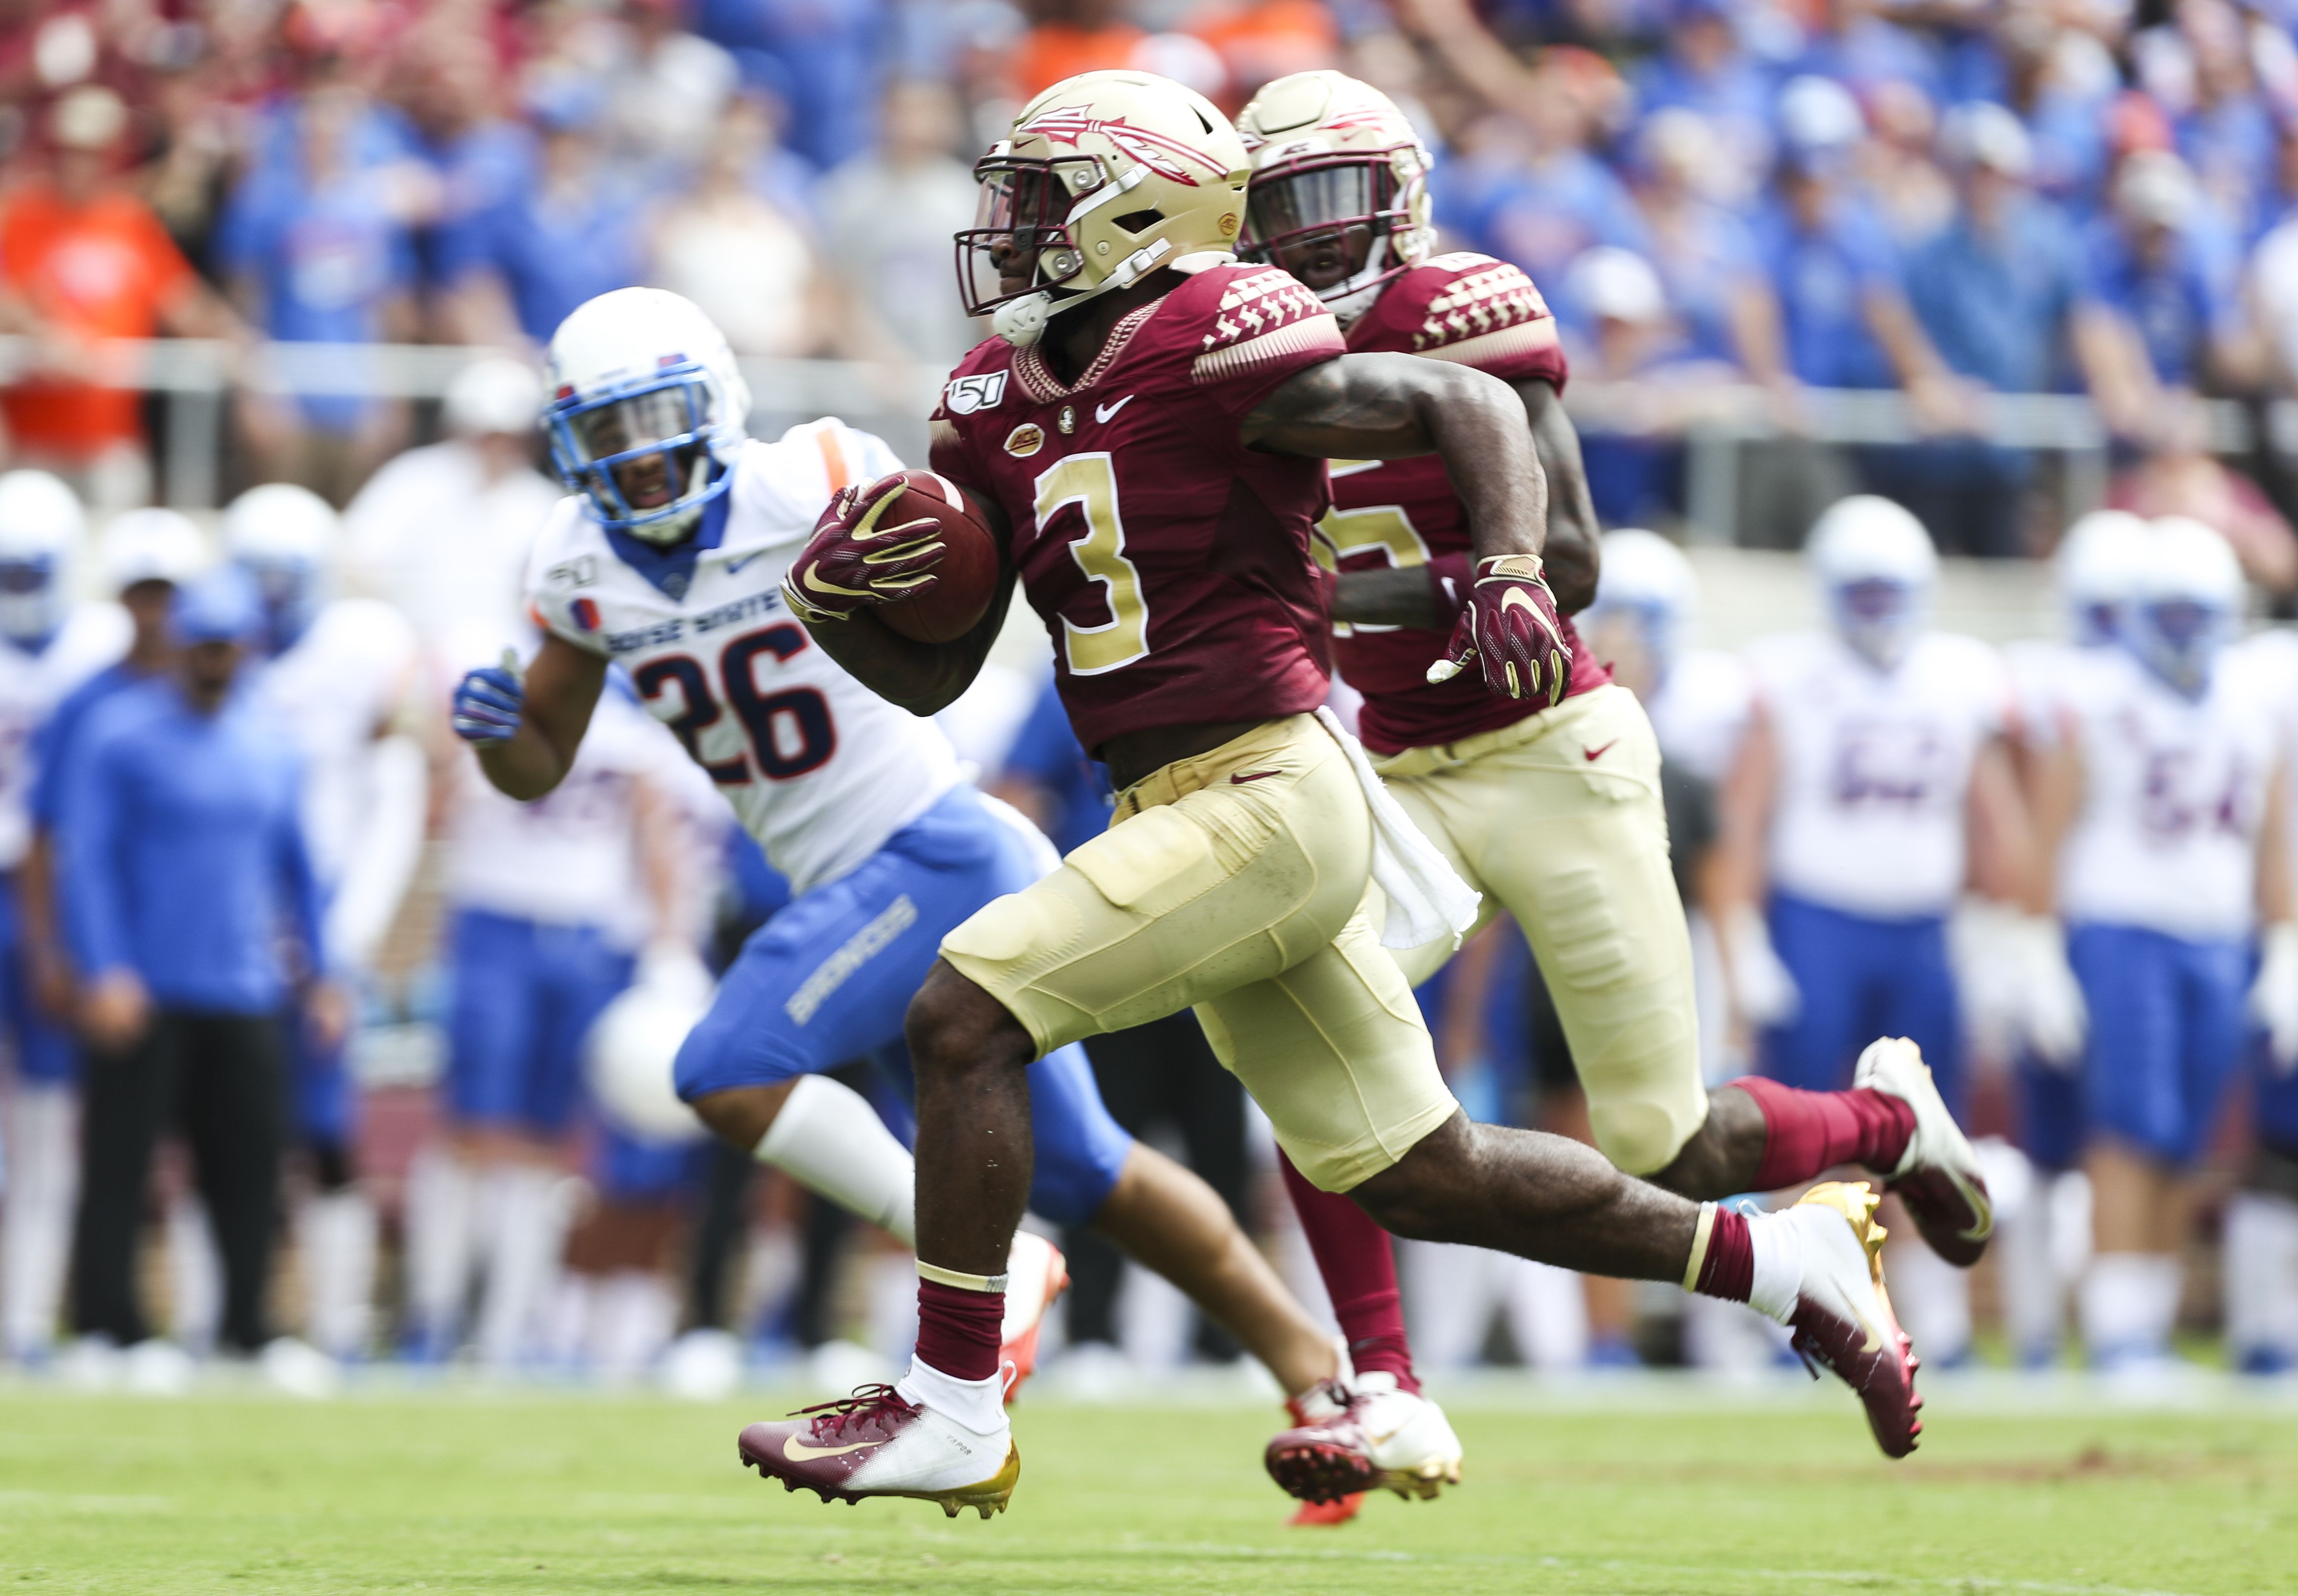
(1240, 318)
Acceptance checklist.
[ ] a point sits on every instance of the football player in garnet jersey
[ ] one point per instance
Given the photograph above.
(1147, 435)
(1551, 806)
(667, 558)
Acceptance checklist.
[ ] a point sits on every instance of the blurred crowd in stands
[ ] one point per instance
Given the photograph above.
(1743, 200)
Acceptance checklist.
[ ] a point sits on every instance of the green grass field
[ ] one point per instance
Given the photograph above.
(499, 1494)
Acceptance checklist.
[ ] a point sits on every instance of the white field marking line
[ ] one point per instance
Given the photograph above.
(1869, 1579)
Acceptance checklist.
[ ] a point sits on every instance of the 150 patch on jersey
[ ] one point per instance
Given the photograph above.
(980, 392)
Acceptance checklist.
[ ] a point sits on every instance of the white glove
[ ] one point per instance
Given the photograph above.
(2053, 1013)
(1763, 990)
(2274, 996)
(1982, 939)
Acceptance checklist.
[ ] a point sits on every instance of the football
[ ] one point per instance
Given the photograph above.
(953, 604)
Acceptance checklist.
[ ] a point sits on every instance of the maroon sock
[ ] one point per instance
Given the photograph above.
(957, 1329)
(1727, 1270)
(1358, 1264)
(1806, 1134)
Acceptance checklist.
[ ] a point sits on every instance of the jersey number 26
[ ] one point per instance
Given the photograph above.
(790, 732)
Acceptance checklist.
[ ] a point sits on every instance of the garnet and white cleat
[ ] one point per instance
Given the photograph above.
(875, 1443)
(1370, 1433)
(1036, 1274)
(1843, 1318)
(1940, 1177)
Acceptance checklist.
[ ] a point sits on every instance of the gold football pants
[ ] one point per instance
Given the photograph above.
(1235, 882)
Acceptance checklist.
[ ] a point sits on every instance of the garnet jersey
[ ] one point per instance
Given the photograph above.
(1171, 564)
(1480, 313)
(819, 769)
(1875, 767)
(2174, 789)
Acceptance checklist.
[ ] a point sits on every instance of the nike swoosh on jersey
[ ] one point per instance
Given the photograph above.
(798, 1451)
(1253, 776)
(1107, 413)
(1592, 754)
(732, 565)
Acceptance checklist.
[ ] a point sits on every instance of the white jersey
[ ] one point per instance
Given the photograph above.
(571, 857)
(445, 544)
(336, 690)
(821, 770)
(2270, 659)
(1700, 711)
(94, 636)
(1875, 767)
(2174, 790)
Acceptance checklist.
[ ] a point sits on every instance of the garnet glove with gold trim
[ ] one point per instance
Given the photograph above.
(852, 560)
(1510, 622)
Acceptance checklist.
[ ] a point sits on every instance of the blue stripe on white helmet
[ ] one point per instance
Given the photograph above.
(2097, 570)
(646, 410)
(2189, 603)
(41, 524)
(1876, 570)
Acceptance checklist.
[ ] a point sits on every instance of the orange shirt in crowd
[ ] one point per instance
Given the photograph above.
(1264, 40)
(106, 269)
(1053, 50)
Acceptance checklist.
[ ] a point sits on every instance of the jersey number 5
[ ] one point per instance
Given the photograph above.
(1089, 481)
(790, 732)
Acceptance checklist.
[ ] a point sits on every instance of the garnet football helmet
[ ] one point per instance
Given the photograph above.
(646, 411)
(1336, 168)
(1105, 178)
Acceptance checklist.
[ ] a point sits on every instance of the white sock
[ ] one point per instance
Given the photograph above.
(631, 1323)
(828, 1139)
(1448, 1301)
(335, 1234)
(1547, 1311)
(524, 1211)
(194, 1276)
(2261, 1273)
(1777, 1278)
(2027, 1274)
(43, 1156)
(2120, 1304)
(2166, 1279)
(980, 1405)
(440, 1244)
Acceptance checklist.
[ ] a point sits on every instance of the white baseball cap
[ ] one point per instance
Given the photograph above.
(153, 545)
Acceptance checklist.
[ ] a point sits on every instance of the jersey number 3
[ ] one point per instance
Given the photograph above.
(790, 732)
(1089, 481)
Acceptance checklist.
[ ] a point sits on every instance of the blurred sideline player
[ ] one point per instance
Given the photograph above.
(337, 672)
(550, 903)
(2168, 827)
(1549, 805)
(145, 556)
(2261, 1223)
(668, 560)
(46, 646)
(1147, 436)
(2095, 574)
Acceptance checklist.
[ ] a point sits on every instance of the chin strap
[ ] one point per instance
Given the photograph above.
(1022, 322)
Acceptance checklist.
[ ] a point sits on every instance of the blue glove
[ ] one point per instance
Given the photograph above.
(489, 702)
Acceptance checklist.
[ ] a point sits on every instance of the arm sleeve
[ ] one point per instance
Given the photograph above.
(94, 894)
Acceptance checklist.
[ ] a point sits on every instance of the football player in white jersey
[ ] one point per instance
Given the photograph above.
(2168, 850)
(2016, 966)
(337, 673)
(668, 560)
(1873, 780)
(47, 646)
(2261, 1223)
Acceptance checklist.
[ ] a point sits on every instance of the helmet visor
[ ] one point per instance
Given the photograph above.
(636, 450)
(1019, 241)
(1318, 220)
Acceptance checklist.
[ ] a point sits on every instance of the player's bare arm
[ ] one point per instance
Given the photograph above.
(922, 678)
(551, 706)
(1393, 596)
(1397, 406)
(1385, 407)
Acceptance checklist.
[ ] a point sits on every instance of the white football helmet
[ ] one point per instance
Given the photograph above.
(1644, 580)
(41, 524)
(1339, 173)
(280, 535)
(2096, 572)
(647, 412)
(633, 1045)
(1876, 570)
(494, 393)
(2187, 605)
(153, 545)
(1105, 178)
